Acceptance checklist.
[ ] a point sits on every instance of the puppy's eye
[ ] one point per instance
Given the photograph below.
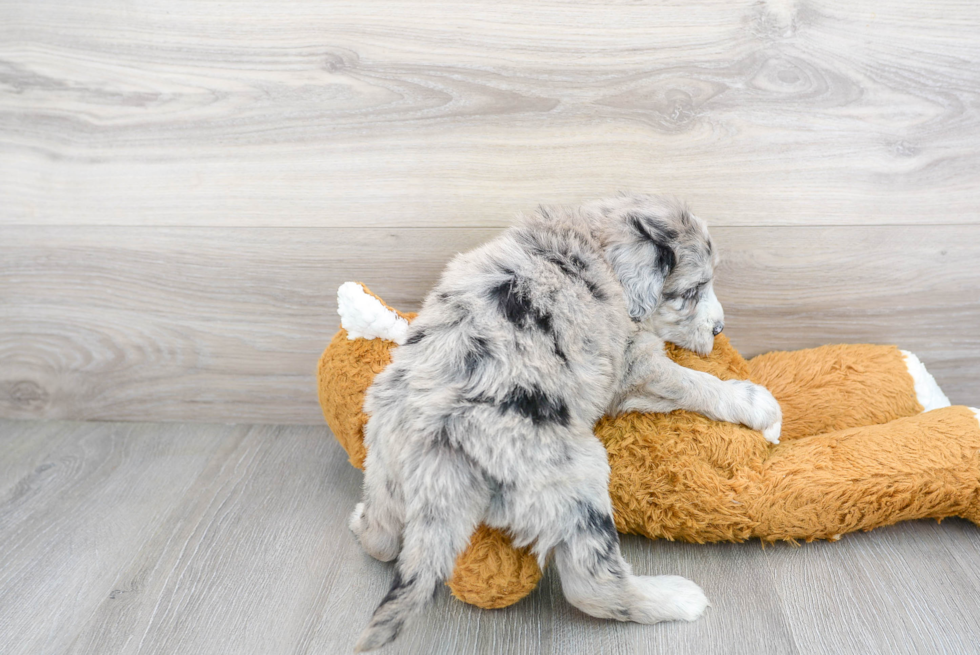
(692, 294)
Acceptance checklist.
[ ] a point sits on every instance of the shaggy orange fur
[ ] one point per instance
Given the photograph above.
(855, 453)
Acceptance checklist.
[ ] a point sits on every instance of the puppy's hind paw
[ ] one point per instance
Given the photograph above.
(667, 598)
(356, 520)
(378, 544)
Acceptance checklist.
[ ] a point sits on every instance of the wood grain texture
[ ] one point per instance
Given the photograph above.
(221, 324)
(167, 538)
(429, 114)
(86, 497)
(883, 615)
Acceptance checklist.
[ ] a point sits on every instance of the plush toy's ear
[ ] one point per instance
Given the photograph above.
(360, 350)
(365, 316)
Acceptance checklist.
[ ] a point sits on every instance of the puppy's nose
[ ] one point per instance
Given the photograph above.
(716, 330)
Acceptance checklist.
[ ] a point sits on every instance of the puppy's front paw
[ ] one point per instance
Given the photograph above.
(772, 432)
(762, 411)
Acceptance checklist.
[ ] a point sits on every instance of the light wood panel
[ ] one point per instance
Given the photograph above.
(167, 538)
(227, 324)
(350, 114)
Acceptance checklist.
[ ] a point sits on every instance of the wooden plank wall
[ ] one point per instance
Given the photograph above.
(183, 185)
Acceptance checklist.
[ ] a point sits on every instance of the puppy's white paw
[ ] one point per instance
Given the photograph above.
(667, 598)
(380, 546)
(762, 411)
(356, 520)
(772, 432)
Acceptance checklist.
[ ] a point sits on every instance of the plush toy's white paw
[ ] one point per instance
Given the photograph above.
(928, 393)
(667, 598)
(365, 317)
(976, 413)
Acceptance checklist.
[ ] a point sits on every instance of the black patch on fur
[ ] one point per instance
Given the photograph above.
(570, 264)
(512, 301)
(516, 306)
(666, 259)
(566, 267)
(473, 360)
(601, 525)
(536, 405)
(596, 522)
(594, 289)
(559, 352)
(397, 589)
(415, 338)
(574, 268)
(543, 321)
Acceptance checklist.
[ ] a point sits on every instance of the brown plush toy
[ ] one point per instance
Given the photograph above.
(857, 450)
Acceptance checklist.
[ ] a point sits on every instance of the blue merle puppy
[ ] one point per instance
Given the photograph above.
(486, 411)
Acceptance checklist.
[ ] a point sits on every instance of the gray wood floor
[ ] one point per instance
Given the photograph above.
(178, 538)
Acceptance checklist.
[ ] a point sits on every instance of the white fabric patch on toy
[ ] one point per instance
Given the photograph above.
(365, 317)
(976, 412)
(928, 393)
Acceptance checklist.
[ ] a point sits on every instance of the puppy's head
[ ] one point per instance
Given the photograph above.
(664, 258)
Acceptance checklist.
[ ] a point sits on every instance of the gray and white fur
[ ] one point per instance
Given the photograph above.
(486, 412)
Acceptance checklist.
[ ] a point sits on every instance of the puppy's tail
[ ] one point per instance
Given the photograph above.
(427, 558)
(443, 508)
(406, 597)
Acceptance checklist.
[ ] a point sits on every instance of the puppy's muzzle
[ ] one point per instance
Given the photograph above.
(716, 330)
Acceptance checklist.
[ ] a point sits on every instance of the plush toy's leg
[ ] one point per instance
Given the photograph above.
(491, 573)
(843, 386)
(973, 510)
(823, 486)
(927, 392)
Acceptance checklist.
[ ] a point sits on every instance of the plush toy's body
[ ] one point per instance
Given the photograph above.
(857, 450)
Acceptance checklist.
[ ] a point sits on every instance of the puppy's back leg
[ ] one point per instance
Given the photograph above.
(573, 515)
(445, 499)
(377, 520)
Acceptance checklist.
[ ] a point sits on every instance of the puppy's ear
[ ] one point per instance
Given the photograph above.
(643, 263)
